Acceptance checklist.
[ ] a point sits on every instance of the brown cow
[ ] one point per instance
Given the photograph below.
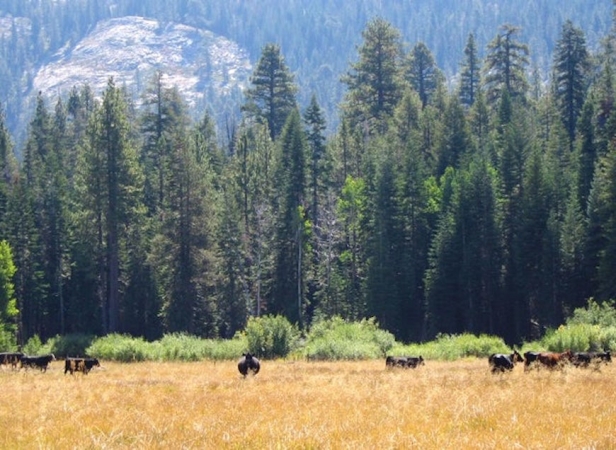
(553, 360)
(83, 365)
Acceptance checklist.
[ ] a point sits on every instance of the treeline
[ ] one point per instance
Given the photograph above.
(490, 208)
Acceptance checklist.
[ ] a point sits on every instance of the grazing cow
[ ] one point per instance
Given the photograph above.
(500, 362)
(248, 363)
(40, 362)
(530, 358)
(553, 360)
(83, 365)
(395, 361)
(404, 361)
(12, 359)
(583, 359)
(414, 361)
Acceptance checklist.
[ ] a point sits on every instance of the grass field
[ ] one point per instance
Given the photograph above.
(307, 405)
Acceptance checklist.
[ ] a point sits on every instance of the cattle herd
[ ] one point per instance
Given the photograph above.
(250, 364)
(18, 360)
(500, 362)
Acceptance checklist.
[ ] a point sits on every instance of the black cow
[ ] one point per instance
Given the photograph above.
(584, 359)
(404, 361)
(83, 365)
(12, 359)
(40, 362)
(414, 361)
(530, 358)
(395, 361)
(500, 362)
(248, 363)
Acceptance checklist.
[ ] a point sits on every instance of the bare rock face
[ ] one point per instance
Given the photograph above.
(131, 49)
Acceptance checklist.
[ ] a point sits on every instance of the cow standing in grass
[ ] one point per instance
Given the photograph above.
(404, 361)
(248, 363)
(12, 359)
(83, 365)
(500, 362)
(40, 362)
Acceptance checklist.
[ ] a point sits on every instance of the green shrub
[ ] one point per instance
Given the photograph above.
(118, 347)
(224, 349)
(8, 343)
(337, 339)
(602, 314)
(34, 346)
(270, 336)
(450, 347)
(184, 347)
(580, 337)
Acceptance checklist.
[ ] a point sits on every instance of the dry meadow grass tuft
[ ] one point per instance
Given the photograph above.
(307, 405)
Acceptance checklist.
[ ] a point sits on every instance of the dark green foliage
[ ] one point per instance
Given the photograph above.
(422, 73)
(374, 81)
(272, 96)
(571, 66)
(75, 344)
(470, 75)
(505, 66)
(288, 290)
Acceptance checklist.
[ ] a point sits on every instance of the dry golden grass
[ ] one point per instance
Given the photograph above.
(307, 405)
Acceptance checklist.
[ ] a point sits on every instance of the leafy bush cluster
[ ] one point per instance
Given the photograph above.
(580, 337)
(592, 328)
(450, 347)
(172, 347)
(602, 314)
(337, 339)
(271, 336)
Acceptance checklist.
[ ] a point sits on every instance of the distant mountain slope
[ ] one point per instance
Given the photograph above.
(132, 48)
(318, 38)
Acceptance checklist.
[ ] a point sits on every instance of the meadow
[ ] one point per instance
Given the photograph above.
(296, 404)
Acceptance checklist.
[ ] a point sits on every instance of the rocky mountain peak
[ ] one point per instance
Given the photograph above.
(200, 63)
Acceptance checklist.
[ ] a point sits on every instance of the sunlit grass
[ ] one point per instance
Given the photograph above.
(307, 405)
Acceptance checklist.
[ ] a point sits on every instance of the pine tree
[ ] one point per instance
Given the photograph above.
(315, 123)
(470, 75)
(272, 96)
(382, 284)
(602, 225)
(422, 72)
(162, 115)
(587, 152)
(8, 172)
(456, 142)
(374, 82)
(110, 189)
(505, 66)
(571, 66)
(45, 169)
(288, 292)
(352, 211)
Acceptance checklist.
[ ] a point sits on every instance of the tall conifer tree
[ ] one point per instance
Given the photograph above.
(271, 97)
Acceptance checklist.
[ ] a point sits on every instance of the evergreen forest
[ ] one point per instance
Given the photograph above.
(480, 204)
